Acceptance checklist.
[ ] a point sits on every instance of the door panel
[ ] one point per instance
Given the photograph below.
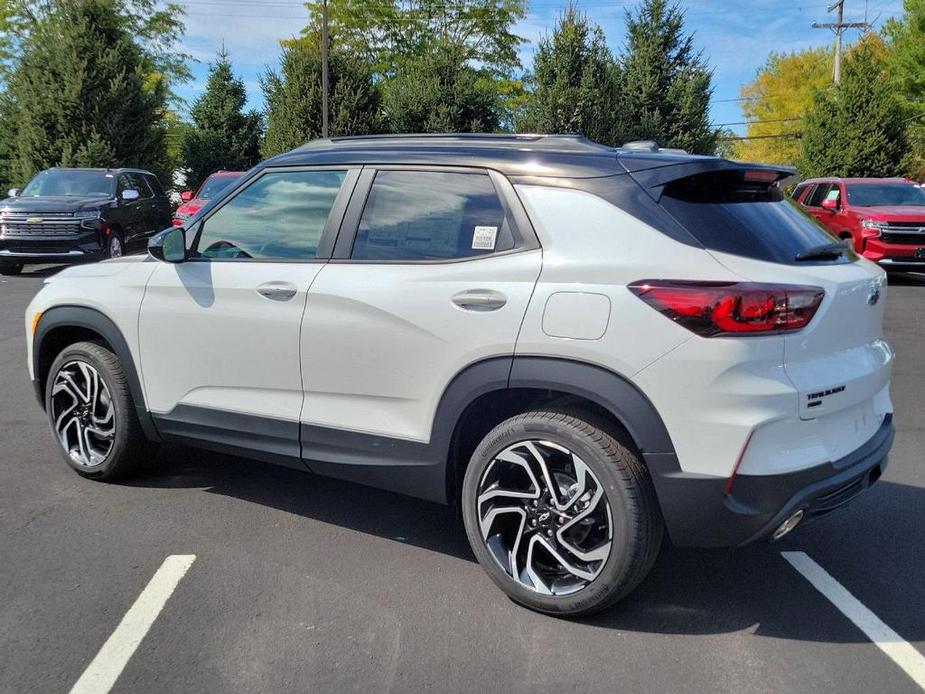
(220, 332)
(210, 339)
(380, 342)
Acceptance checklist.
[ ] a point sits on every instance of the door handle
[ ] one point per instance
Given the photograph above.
(277, 291)
(480, 300)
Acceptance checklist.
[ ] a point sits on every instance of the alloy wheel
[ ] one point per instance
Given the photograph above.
(544, 517)
(83, 413)
(115, 247)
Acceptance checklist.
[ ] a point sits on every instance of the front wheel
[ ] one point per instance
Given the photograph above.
(92, 415)
(114, 246)
(10, 268)
(560, 513)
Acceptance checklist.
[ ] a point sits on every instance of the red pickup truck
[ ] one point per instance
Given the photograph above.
(883, 217)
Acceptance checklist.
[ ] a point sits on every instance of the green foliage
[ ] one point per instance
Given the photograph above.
(574, 82)
(665, 85)
(293, 97)
(80, 94)
(906, 64)
(777, 101)
(440, 93)
(223, 135)
(858, 128)
(388, 32)
(155, 26)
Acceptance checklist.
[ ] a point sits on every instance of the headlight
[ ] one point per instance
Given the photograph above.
(87, 218)
(871, 228)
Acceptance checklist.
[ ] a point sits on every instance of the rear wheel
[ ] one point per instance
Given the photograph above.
(92, 414)
(10, 268)
(561, 514)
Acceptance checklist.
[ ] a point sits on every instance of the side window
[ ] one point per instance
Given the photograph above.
(428, 215)
(154, 185)
(798, 191)
(281, 215)
(141, 185)
(818, 195)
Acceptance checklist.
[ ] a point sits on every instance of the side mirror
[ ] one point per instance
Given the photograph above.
(186, 195)
(130, 195)
(169, 246)
(830, 204)
(13, 192)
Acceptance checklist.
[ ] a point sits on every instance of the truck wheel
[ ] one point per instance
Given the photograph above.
(92, 414)
(560, 513)
(10, 269)
(114, 246)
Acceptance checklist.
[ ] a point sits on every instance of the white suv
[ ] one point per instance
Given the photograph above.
(583, 347)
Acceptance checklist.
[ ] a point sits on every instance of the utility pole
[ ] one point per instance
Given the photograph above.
(324, 68)
(839, 27)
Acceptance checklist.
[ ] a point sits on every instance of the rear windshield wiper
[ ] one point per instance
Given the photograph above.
(826, 250)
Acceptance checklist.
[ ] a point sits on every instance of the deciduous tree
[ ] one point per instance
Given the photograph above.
(777, 102)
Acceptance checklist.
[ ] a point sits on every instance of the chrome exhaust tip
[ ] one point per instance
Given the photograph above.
(787, 525)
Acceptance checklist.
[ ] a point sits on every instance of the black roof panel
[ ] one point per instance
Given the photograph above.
(560, 156)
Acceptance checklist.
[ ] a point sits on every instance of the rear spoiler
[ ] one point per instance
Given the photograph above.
(659, 170)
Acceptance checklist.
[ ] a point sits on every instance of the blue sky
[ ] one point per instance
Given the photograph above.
(735, 36)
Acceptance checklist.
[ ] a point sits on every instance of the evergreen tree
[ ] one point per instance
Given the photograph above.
(573, 82)
(439, 92)
(665, 85)
(79, 94)
(856, 129)
(223, 135)
(293, 97)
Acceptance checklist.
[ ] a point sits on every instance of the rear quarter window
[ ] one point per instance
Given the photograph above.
(728, 214)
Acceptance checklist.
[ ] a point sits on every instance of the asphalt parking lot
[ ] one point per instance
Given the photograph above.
(306, 584)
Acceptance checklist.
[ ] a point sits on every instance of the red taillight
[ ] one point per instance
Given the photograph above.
(731, 308)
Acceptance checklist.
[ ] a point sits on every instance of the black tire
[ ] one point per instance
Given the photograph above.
(130, 449)
(636, 525)
(115, 246)
(10, 269)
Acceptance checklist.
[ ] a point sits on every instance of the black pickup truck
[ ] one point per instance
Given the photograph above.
(80, 215)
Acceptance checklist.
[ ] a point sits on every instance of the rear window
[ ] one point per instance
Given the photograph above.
(728, 214)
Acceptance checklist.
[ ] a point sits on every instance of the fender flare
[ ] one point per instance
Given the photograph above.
(98, 322)
(426, 470)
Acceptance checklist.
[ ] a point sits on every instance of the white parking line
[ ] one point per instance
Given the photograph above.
(899, 651)
(101, 674)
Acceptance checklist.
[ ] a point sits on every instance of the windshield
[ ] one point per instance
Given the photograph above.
(874, 194)
(82, 184)
(214, 185)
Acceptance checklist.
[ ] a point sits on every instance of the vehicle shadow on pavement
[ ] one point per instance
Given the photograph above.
(692, 591)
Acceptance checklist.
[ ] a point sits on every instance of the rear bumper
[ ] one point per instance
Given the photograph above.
(699, 513)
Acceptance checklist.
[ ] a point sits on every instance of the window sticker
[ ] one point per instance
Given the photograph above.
(833, 194)
(483, 238)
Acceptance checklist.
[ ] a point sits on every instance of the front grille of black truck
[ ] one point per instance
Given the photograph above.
(38, 224)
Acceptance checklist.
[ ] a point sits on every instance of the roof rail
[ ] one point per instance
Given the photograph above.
(650, 146)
